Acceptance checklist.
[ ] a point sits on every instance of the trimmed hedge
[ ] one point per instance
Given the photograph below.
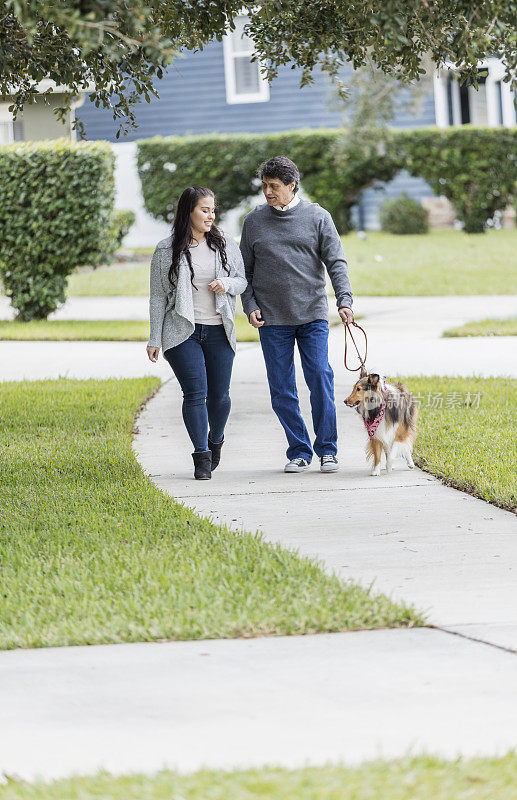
(333, 172)
(224, 163)
(123, 221)
(403, 215)
(56, 213)
(474, 167)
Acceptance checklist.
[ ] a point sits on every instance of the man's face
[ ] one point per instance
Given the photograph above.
(276, 192)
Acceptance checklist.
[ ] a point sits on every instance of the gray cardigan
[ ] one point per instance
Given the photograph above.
(171, 311)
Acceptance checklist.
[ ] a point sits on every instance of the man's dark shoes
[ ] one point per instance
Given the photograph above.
(215, 449)
(202, 465)
(329, 463)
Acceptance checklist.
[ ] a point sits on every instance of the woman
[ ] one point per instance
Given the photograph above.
(196, 274)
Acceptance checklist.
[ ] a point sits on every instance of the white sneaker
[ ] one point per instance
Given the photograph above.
(297, 465)
(329, 463)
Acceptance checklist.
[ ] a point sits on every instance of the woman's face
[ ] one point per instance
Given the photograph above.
(203, 215)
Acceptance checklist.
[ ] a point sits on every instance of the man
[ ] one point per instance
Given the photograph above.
(286, 245)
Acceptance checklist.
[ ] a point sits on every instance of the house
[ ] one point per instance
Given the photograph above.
(38, 120)
(219, 89)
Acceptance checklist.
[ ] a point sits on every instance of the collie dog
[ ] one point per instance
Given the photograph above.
(389, 414)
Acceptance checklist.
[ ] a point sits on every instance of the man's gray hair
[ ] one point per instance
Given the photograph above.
(282, 168)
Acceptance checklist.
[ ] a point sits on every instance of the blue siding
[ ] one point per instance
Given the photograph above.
(193, 100)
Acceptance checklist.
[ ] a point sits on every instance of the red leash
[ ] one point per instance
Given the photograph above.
(363, 361)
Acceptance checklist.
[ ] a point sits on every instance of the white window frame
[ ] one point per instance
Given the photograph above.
(495, 69)
(232, 96)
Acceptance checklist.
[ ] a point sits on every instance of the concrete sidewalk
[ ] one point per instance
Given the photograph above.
(237, 703)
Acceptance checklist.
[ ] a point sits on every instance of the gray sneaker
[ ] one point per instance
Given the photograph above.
(329, 463)
(297, 465)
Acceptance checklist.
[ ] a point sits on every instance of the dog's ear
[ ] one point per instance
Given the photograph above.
(373, 380)
(363, 372)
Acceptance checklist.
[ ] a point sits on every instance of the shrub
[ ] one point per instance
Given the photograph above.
(124, 219)
(475, 168)
(56, 213)
(333, 169)
(227, 164)
(403, 215)
(122, 222)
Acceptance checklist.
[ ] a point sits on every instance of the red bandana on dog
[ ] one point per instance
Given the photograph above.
(372, 425)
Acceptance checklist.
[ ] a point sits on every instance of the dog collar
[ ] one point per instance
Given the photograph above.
(372, 425)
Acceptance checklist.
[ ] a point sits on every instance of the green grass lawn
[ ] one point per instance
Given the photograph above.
(110, 282)
(470, 440)
(442, 262)
(98, 330)
(485, 327)
(92, 552)
(422, 778)
(76, 330)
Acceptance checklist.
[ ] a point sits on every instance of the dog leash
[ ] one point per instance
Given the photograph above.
(363, 361)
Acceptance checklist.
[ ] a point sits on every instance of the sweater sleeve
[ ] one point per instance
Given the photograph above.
(333, 256)
(157, 301)
(235, 282)
(249, 301)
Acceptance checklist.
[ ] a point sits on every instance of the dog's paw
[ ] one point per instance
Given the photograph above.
(376, 471)
(389, 467)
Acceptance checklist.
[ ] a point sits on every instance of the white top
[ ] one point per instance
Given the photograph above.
(294, 202)
(203, 264)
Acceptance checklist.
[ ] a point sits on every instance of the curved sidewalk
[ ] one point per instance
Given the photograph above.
(300, 699)
(450, 554)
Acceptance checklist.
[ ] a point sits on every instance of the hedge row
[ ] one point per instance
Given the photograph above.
(475, 168)
(333, 171)
(56, 213)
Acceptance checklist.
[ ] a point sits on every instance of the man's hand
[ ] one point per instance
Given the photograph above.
(152, 352)
(256, 319)
(217, 286)
(346, 314)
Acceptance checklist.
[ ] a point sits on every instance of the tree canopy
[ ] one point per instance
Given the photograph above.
(120, 48)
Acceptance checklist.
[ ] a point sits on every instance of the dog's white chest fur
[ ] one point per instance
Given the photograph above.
(385, 434)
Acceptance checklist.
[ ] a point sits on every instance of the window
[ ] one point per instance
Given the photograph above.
(490, 104)
(244, 81)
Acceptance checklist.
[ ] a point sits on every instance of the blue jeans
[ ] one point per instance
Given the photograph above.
(278, 348)
(203, 366)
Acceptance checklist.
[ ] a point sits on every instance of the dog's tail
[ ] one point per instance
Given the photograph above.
(408, 411)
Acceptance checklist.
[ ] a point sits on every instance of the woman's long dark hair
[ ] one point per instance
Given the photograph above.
(182, 236)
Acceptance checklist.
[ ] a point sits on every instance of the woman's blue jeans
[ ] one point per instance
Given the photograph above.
(203, 366)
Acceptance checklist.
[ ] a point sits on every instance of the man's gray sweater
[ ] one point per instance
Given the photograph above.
(285, 254)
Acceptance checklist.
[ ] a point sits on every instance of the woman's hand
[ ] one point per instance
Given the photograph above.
(152, 352)
(217, 286)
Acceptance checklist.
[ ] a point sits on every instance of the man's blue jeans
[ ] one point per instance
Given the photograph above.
(203, 366)
(278, 348)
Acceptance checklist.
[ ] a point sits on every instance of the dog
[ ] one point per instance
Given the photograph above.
(389, 413)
